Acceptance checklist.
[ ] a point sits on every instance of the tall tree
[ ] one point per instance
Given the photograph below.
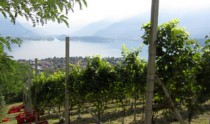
(7, 70)
(203, 76)
(12, 77)
(177, 59)
(39, 11)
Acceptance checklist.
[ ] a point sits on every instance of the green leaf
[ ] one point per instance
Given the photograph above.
(207, 42)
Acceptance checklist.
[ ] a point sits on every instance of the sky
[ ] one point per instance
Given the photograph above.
(116, 10)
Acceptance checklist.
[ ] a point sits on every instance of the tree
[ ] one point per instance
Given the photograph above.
(98, 77)
(177, 59)
(15, 85)
(2, 105)
(12, 79)
(120, 88)
(133, 74)
(203, 76)
(6, 61)
(77, 88)
(39, 11)
(48, 90)
(7, 65)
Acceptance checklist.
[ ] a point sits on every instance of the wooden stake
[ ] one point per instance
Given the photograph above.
(35, 108)
(151, 62)
(176, 111)
(66, 83)
(27, 93)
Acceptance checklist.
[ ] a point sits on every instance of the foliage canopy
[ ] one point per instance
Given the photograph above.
(39, 11)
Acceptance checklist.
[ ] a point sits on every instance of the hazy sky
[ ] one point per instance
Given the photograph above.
(116, 10)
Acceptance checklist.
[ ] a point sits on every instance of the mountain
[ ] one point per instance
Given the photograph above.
(7, 28)
(92, 28)
(125, 29)
(196, 23)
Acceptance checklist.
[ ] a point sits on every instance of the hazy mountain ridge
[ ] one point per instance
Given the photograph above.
(196, 23)
(125, 29)
(7, 28)
(91, 29)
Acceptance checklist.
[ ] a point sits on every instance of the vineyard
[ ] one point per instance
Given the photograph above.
(101, 92)
(182, 65)
(171, 87)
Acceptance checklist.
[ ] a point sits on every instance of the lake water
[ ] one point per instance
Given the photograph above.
(56, 48)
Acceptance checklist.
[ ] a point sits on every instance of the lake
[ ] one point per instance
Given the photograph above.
(56, 48)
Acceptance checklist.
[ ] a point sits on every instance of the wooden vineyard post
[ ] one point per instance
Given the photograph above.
(151, 62)
(27, 93)
(175, 110)
(36, 107)
(66, 83)
(2, 104)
